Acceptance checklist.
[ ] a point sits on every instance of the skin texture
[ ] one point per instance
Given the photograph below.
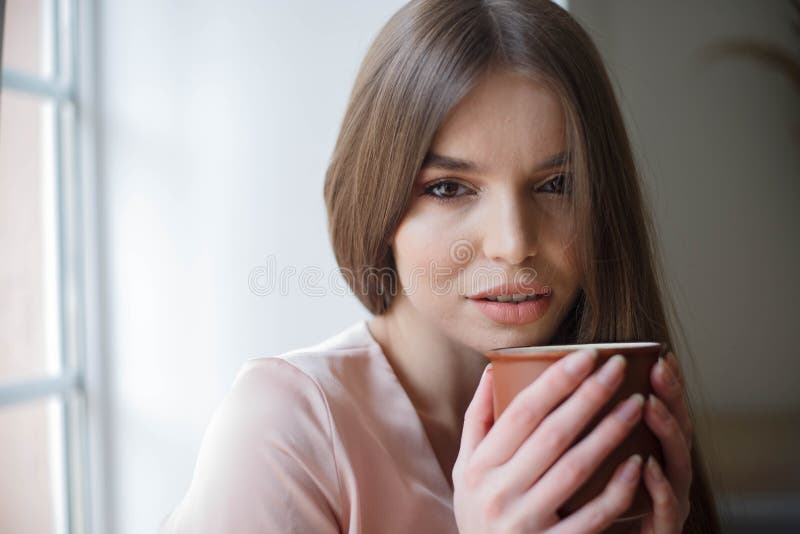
(505, 217)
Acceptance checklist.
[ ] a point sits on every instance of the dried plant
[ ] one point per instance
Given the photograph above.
(763, 52)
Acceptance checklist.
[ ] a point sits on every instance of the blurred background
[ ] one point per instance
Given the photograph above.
(161, 170)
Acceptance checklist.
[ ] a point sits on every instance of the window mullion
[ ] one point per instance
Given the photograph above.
(26, 83)
(66, 268)
(28, 390)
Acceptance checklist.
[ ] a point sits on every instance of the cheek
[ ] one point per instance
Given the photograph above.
(429, 255)
(564, 259)
(557, 259)
(556, 217)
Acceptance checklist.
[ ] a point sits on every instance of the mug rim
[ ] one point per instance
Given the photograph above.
(546, 349)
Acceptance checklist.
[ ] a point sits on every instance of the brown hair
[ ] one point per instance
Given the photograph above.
(424, 60)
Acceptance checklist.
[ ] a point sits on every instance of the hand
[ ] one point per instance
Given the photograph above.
(512, 476)
(670, 422)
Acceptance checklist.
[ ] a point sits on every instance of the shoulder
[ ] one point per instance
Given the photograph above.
(272, 408)
(273, 436)
(270, 394)
(316, 374)
(295, 396)
(301, 383)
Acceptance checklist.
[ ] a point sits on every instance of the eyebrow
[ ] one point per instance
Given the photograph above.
(447, 163)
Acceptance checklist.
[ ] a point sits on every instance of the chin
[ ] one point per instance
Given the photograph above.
(499, 336)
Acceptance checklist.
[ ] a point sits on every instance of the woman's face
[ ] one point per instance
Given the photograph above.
(489, 208)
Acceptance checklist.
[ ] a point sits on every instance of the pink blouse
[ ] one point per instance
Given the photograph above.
(317, 440)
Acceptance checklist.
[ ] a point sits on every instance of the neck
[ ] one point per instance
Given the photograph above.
(439, 374)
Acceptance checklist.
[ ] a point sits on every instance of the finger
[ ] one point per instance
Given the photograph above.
(666, 516)
(582, 460)
(671, 392)
(531, 405)
(479, 415)
(600, 512)
(676, 452)
(559, 429)
(675, 367)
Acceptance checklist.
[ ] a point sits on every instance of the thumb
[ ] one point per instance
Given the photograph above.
(479, 417)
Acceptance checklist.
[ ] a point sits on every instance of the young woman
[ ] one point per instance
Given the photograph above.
(482, 147)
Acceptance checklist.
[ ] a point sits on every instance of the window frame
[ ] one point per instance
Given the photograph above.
(81, 383)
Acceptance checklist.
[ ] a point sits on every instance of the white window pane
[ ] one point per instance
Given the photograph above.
(31, 463)
(29, 326)
(28, 36)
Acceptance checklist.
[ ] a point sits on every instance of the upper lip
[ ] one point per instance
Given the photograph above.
(530, 288)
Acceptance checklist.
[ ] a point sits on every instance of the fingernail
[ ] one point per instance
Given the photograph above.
(666, 372)
(631, 470)
(611, 371)
(630, 408)
(580, 362)
(486, 369)
(654, 469)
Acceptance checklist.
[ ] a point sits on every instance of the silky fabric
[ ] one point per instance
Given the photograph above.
(322, 439)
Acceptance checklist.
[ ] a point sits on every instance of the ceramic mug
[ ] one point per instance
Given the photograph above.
(515, 368)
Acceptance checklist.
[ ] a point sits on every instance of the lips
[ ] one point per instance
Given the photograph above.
(508, 292)
(511, 313)
(514, 299)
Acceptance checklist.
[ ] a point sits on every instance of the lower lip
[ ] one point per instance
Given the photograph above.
(525, 312)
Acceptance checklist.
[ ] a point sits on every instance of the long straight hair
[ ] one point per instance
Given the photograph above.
(424, 60)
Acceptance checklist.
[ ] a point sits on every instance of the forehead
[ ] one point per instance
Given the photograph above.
(507, 122)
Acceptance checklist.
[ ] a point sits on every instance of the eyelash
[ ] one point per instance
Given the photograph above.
(429, 189)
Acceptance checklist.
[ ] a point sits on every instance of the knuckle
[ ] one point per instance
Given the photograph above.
(493, 507)
(516, 519)
(612, 429)
(595, 392)
(560, 380)
(573, 472)
(664, 500)
(553, 438)
(521, 415)
(472, 477)
(529, 410)
(457, 468)
(670, 424)
(621, 428)
(598, 516)
(614, 503)
(619, 497)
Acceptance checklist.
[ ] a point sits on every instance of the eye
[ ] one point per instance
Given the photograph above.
(446, 190)
(560, 184)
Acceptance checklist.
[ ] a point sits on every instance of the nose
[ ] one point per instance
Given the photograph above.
(510, 231)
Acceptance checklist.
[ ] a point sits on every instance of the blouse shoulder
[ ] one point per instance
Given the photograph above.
(266, 462)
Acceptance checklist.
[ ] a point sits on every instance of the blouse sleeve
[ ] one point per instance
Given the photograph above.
(266, 462)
